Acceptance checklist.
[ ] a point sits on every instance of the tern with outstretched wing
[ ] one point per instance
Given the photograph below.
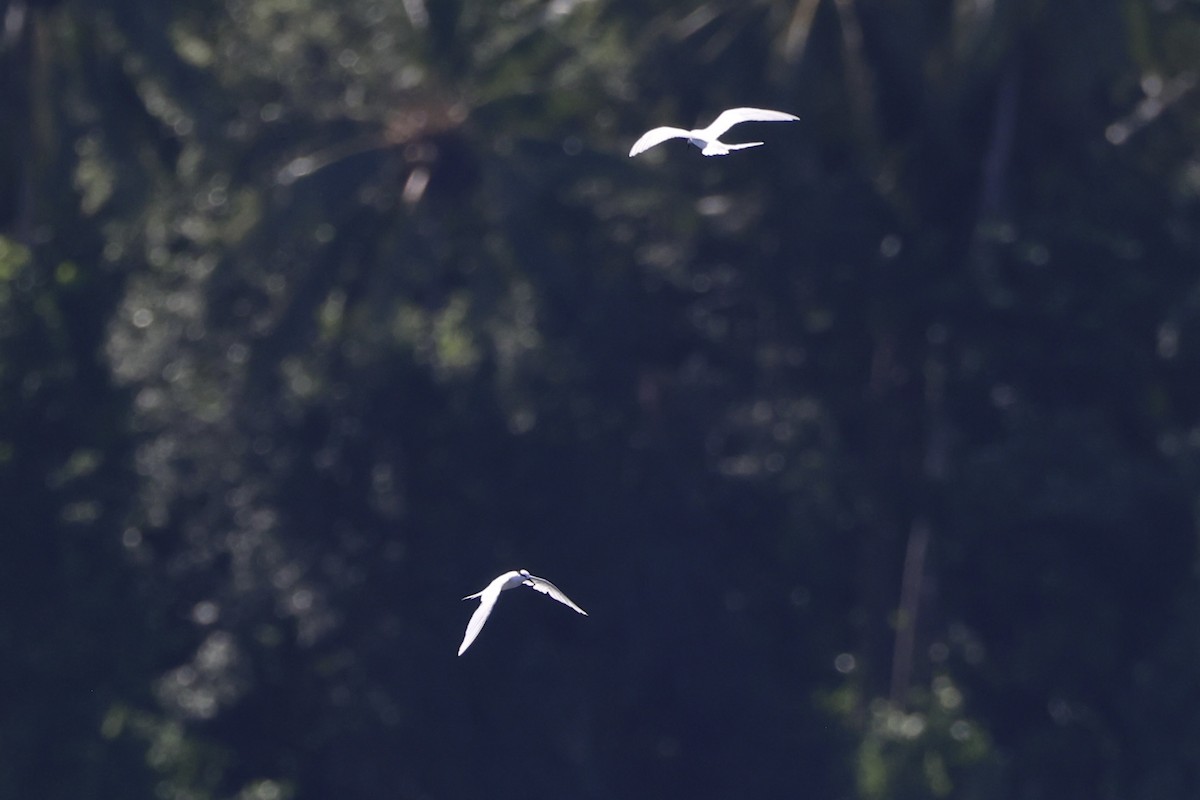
(491, 593)
(708, 139)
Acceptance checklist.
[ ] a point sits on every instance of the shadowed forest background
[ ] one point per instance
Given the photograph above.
(873, 453)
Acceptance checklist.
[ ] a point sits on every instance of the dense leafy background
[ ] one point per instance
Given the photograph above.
(872, 452)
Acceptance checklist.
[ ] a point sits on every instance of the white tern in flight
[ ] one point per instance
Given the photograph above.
(491, 592)
(707, 139)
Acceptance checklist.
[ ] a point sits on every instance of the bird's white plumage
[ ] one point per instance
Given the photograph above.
(708, 138)
(490, 593)
(727, 119)
(657, 136)
(546, 587)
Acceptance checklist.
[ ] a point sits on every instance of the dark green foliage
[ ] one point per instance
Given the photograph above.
(872, 452)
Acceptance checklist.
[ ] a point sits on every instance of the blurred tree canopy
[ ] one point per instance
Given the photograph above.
(872, 452)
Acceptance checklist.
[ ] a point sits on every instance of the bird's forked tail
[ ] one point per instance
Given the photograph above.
(721, 149)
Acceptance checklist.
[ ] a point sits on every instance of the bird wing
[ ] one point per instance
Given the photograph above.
(487, 599)
(497, 584)
(546, 587)
(727, 119)
(657, 136)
